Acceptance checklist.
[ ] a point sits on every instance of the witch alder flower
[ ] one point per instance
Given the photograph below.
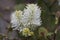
(27, 32)
(32, 15)
(28, 18)
(16, 17)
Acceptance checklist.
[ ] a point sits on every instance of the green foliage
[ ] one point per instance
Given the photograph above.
(48, 19)
(43, 31)
(20, 7)
(58, 36)
(20, 1)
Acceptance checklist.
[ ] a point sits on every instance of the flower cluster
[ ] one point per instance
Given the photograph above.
(16, 18)
(32, 15)
(28, 18)
(26, 32)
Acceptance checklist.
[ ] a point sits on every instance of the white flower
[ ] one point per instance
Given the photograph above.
(16, 17)
(32, 15)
